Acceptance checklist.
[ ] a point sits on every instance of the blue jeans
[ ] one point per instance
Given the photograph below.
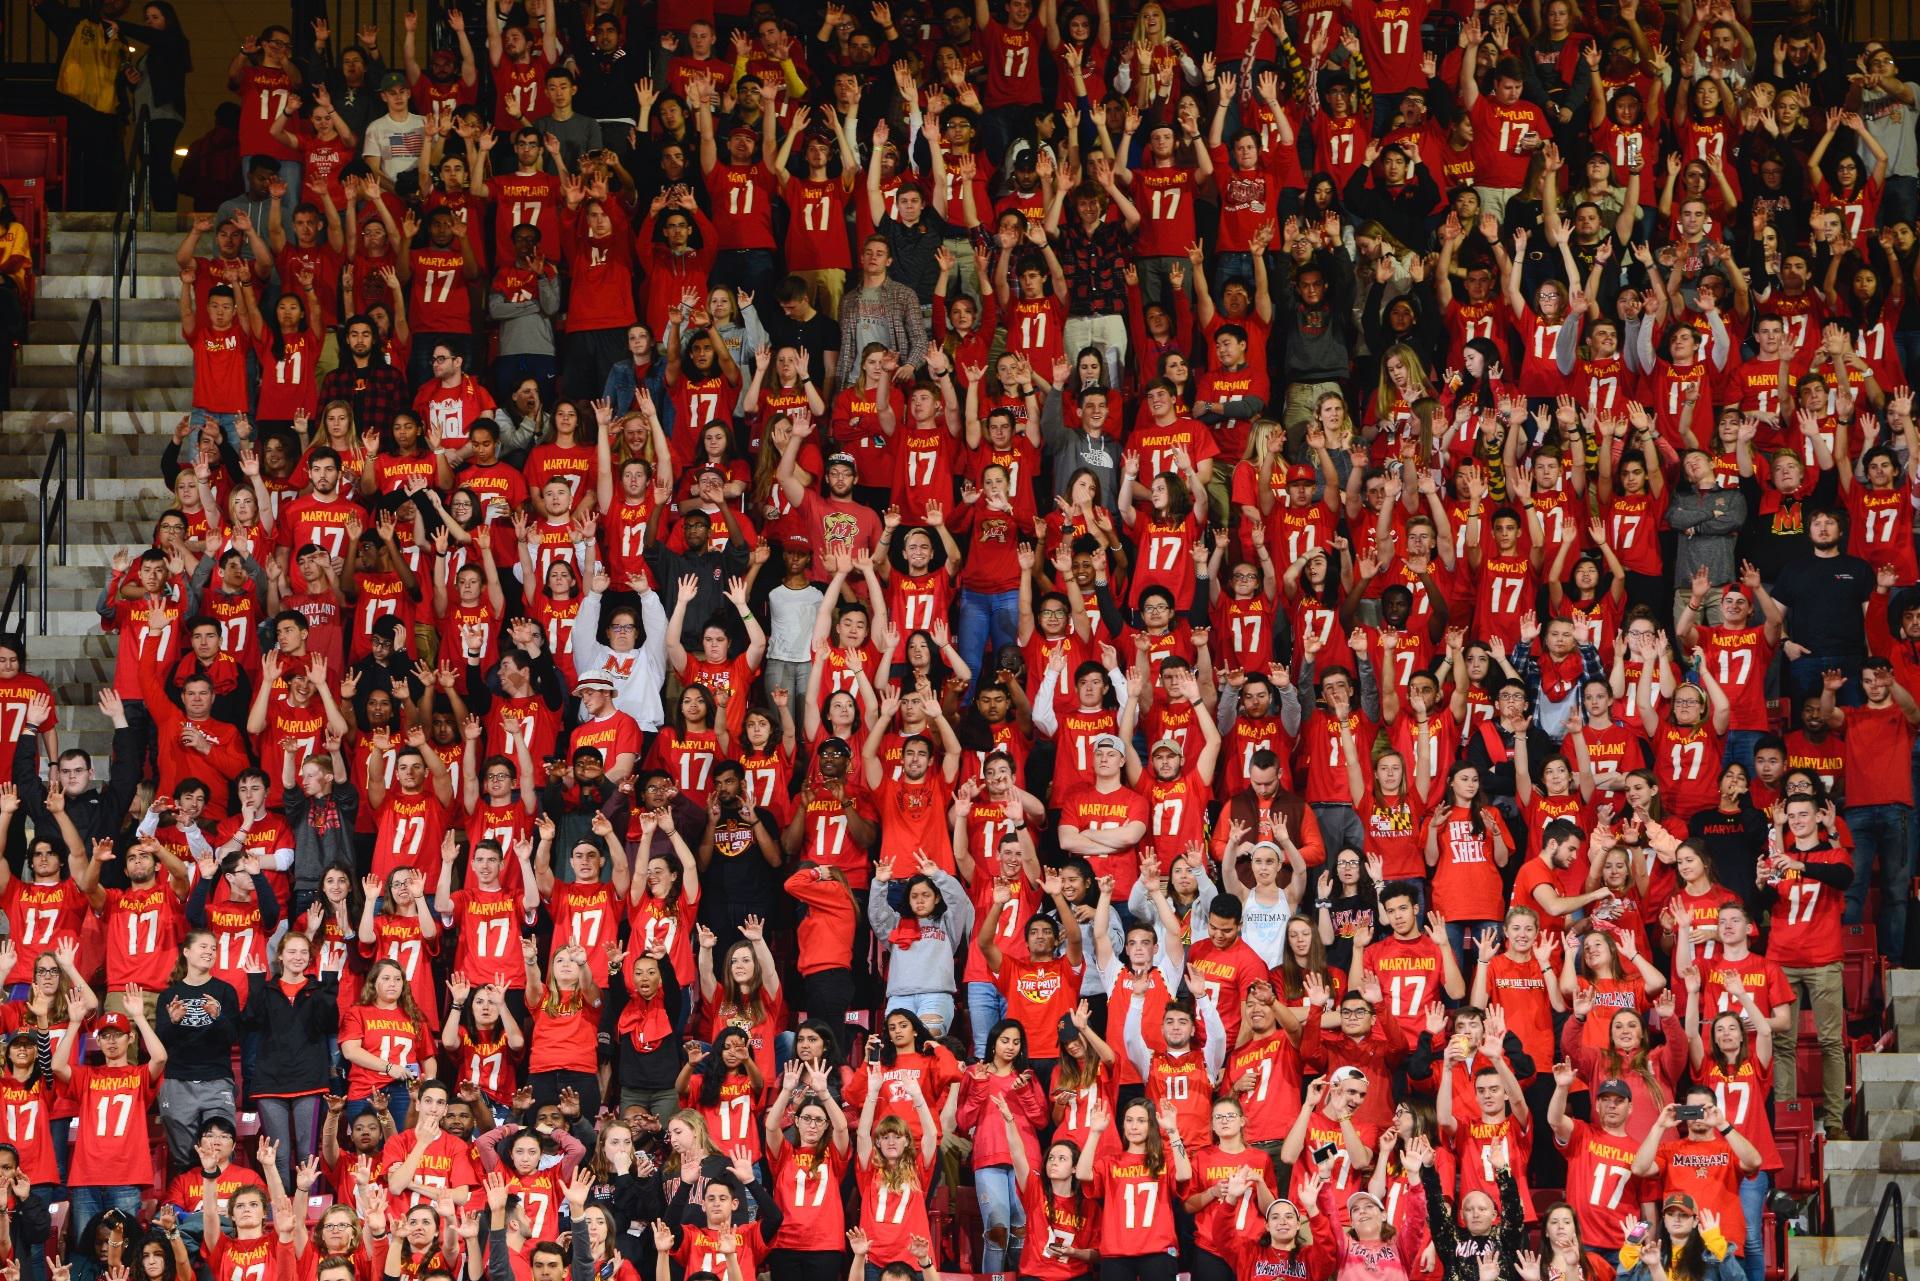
(986, 1005)
(198, 418)
(1880, 832)
(935, 1009)
(1906, 342)
(1458, 932)
(999, 1208)
(1900, 201)
(1739, 749)
(1232, 264)
(1804, 676)
(511, 370)
(90, 1201)
(1753, 1204)
(397, 1103)
(987, 619)
(745, 269)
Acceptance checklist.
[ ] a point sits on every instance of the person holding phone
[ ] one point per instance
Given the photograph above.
(1702, 1166)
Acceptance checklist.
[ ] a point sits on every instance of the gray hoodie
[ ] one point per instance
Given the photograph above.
(925, 964)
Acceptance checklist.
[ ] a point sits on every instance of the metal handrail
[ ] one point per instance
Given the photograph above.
(53, 507)
(15, 605)
(126, 226)
(89, 396)
(1884, 1256)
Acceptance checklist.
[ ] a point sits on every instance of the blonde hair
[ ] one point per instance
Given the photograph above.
(1387, 399)
(903, 1173)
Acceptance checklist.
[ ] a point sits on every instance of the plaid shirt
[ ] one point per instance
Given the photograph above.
(376, 393)
(1553, 719)
(1096, 284)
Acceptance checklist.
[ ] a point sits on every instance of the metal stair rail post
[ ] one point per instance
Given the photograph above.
(89, 395)
(1885, 1258)
(126, 231)
(13, 612)
(53, 508)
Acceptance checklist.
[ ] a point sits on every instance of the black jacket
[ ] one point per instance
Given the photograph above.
(1460, 1251)
(97, 812)
(658, 1068)
(292, 1057)
(1427, 1055)
(31, 1223)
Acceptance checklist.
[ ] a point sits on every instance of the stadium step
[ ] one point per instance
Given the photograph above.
(1837, 1258)
(144, 393)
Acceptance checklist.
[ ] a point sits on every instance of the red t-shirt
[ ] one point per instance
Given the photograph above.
(220, 369)
(112, 1144)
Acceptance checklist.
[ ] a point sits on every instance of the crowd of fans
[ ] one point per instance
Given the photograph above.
(1256, 641)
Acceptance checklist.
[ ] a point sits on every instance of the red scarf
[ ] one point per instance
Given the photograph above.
(1559, 676)
(645, 1020)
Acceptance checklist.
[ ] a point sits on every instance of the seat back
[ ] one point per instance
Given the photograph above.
(1860, 968)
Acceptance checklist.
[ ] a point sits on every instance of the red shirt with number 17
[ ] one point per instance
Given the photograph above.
(1389, 32)
(111, 1144)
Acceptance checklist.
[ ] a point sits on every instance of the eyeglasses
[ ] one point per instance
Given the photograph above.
(620, 627)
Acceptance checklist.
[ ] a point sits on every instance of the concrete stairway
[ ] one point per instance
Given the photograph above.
(145, 393)
(1858, 1170)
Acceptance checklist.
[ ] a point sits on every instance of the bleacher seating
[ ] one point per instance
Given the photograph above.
(35, 153)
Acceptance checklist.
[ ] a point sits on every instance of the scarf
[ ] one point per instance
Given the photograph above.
(646, 1023)
(1772, 499)
(223, 673)
(1559, 676)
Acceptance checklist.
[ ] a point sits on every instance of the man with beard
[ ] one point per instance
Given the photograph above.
(711, 568)
(324, 517)
(834, 523)
(376, 390)
(912, 807)
(1823, 593)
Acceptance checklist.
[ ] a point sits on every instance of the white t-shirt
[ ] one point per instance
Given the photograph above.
(1263, 926)
(398, 143)
(793, 611)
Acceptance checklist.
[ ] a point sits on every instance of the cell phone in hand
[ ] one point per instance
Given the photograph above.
(1690, 1112)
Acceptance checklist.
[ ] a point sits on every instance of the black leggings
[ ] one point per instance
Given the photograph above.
(546, 1087)
(1210, 1267)
(1139, 1267)
(808, 1265)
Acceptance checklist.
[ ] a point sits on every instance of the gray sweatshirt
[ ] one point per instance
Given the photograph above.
(526, 327)
(1709, 522)
(1073, 449)
(925, 964)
